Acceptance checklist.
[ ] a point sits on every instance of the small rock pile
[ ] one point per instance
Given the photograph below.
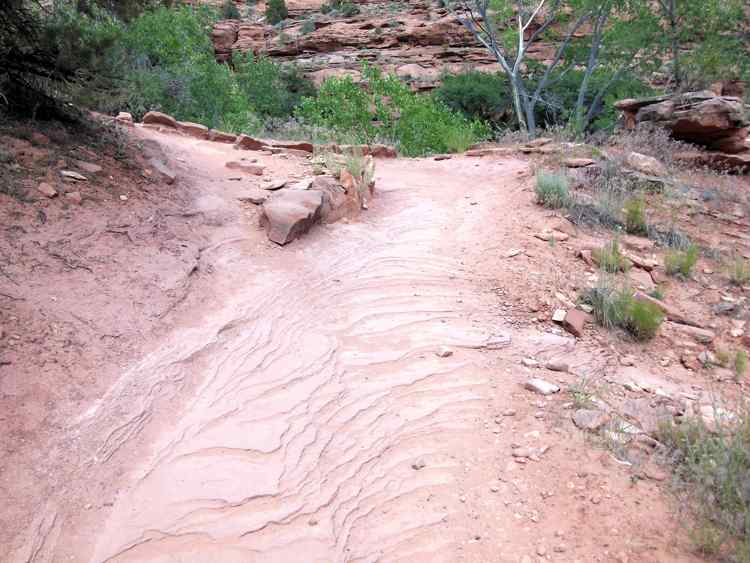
(292, 211)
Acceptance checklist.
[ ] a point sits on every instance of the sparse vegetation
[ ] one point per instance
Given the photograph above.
(552, 189)
(740, 363)
(346, 9)
(739, 271)
(658, 292)
(711, 476)
(615, 307)
(635, 216)
(681, 262)
(610, 258)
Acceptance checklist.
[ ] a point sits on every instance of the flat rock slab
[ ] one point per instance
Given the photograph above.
(159, 118)
(541, 386)
(46, 190)
(247, 168)
(193, 129)
(276, 185)
(89, 167)
(221, 137)
(245, 142)
(645, 164)
(255, 196)
(291, 213)
(74, 176)
(496, 151)
(578, 162)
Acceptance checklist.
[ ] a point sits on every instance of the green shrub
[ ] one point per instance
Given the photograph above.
(616, 307)
(681, 262)
(610, 258)
(271, 89)
(229, 10)
(739, 271)
(609, 305)
(643, 319)
(276, 11)
(307, 27)
(169, 65)
(552, 189)
(388, 110)
(635, 216)
(478, 95)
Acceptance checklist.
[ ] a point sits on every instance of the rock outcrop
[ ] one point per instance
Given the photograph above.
(720, 124)
(415, 40)
(291, 213)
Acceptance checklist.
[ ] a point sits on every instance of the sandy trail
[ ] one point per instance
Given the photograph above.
(304, 415)
(319, 395)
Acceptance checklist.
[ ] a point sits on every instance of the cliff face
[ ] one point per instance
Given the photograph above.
(416, 41)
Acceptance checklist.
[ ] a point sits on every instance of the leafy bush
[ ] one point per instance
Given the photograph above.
(170, 67)
(388, 110)
(271, 89)
(635, 216)
(680, 262)
(229, 10)
(276, 11)
(610, 258)
(478, 95)
(48, 56)
(167, 63)
(552, 190)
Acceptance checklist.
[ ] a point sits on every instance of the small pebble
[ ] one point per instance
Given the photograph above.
(444, 352)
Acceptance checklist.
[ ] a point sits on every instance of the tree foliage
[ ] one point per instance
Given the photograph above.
(276, 11)
(603, 44)
(386, 109)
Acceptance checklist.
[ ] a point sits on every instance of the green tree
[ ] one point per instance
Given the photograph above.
(276, 11)
(707, 40)
(616, 40)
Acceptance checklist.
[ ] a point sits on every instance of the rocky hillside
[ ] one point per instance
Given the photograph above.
(416, 40)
